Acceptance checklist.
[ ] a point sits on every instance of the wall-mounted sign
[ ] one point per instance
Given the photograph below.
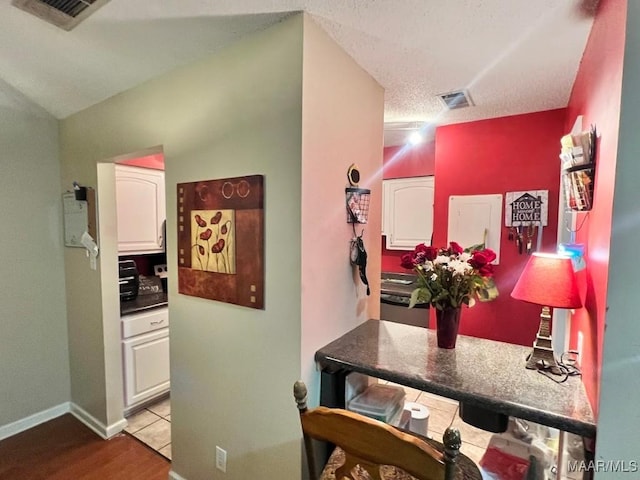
(526, 208)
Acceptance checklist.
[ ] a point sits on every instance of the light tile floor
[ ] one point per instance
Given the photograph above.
(152, 426)
(443, 412)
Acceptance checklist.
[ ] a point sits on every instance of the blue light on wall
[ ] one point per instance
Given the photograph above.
(576, 252)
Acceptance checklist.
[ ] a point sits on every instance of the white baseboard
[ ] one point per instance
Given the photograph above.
(105, 431)
(89, 420)
(174, 476)
(31, 421)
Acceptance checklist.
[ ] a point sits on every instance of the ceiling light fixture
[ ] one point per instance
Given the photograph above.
(416, 137)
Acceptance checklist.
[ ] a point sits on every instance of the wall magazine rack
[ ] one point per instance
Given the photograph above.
(578, 157)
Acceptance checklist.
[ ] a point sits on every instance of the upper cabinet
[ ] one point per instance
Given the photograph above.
(407, 212)
(141, 209)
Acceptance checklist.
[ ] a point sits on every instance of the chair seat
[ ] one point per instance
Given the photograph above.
(466, 470)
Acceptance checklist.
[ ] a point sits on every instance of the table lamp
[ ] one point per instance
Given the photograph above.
(547, 280)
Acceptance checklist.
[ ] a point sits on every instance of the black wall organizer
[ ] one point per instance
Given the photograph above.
(578, 169)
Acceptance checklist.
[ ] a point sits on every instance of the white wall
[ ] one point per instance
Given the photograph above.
(34, 366)
(619, 417)
(342, 124)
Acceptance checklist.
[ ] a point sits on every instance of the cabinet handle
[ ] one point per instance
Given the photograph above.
(157, 322)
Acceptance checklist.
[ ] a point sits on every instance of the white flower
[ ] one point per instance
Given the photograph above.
(427, 266)
(459, 267)
(464, 257)
(433, 277)
(440, 259)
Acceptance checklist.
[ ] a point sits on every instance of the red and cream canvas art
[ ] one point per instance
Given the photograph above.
(221, 240)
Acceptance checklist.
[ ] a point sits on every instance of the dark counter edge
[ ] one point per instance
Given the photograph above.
(143, 303)
(584, 429)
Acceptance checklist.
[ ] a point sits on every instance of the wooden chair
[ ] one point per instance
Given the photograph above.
(382, 451)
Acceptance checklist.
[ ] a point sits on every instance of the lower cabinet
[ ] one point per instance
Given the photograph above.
(146, 360)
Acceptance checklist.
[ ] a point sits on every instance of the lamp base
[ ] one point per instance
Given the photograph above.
(542, 356)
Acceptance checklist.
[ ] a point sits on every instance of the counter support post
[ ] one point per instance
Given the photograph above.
(332, 388)
(332, 385)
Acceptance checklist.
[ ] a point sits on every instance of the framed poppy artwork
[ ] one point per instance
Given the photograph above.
(221, 240)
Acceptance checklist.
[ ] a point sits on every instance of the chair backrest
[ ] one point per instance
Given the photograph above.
(371, 443)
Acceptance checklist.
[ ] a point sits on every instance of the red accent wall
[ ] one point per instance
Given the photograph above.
(401, 162)
(497, 156)
(155, 161)
(596, 95)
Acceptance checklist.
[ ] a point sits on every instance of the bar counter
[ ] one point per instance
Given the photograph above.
(481, 373)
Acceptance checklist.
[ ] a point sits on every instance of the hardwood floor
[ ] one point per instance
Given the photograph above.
(65, 449)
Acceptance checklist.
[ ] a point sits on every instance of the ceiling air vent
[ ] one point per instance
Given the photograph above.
(456, 99)
(65, 14)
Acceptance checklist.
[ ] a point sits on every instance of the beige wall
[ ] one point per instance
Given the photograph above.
(342, 118)
(239, 112)
(34, 366)
(235, 113)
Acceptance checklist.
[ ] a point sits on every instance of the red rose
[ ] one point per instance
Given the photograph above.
(479, 259)
(486, 271)
(455, 248)
(421, 248)
(406, 261)
(491, 255)
(431, 253)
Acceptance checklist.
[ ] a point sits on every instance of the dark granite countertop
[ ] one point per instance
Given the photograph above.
(479, 372)
(143, 302)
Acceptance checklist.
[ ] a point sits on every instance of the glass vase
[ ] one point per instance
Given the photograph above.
(447, 323)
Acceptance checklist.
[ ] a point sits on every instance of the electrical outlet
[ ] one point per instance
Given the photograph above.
(221, 459)
(580, 345)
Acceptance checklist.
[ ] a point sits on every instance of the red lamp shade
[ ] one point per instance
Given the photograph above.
(548, 280)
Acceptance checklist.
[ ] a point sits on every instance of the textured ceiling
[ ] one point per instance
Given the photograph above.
(514, 56)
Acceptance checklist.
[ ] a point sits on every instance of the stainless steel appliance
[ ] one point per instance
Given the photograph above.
(395, 294)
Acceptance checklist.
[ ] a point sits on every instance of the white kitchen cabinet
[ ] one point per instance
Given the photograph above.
(408, 212)
(145, 350)
(140, 198)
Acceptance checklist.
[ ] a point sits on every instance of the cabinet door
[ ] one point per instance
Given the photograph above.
(409, 207)
(146, 366)
(141, 207)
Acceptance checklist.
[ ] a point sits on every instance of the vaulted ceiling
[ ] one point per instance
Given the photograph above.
(513, 56)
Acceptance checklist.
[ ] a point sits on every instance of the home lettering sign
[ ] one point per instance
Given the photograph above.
(526, 208)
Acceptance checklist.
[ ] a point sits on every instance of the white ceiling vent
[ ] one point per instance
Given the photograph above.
(456, 99)
(65, 14)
